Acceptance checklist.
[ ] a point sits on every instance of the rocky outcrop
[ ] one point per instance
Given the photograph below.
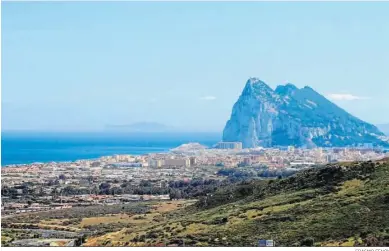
(292, 116)
(189, 148)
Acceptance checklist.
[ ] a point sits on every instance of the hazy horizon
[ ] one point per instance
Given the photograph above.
(184, 64)
(103, 130)
(123, 131)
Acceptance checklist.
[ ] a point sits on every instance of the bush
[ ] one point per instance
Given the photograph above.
(307, 242)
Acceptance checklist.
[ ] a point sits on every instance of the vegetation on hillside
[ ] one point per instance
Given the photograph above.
(335, 205)
(343, 204)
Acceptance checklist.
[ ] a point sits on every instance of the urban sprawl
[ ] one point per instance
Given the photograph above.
(120, 179)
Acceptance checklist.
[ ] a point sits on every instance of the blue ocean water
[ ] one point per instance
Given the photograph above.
(25, 148)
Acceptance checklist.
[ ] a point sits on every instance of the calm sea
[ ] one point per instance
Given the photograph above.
(24, 148)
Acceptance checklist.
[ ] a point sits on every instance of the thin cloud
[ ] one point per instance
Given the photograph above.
(208, 98)
(345, 97)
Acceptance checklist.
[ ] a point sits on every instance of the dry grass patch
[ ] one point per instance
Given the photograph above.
(194, 228)
(116, 218)
(58, 243)
(168, 206)
(54, 222)
(350, 186)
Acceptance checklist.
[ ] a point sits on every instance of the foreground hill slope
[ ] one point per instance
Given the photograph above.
(292, 116)
(335, 205)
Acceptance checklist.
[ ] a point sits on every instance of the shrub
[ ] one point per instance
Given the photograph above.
(307, 242)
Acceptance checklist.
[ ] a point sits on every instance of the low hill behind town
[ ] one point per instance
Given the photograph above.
(343, 204)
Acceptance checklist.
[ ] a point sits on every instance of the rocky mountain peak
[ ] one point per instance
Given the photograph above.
(256, 88)
(292, 116)
(286, 89)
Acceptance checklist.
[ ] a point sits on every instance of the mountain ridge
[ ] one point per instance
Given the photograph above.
(294, 116)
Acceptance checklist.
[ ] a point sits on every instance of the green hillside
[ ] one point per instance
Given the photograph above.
(343, 204)
(336, 205)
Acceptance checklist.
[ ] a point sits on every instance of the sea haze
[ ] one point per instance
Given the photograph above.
(29, 147)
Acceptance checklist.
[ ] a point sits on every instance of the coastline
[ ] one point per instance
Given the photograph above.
(23, 148)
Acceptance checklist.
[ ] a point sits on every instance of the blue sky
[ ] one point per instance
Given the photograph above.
(81, 66)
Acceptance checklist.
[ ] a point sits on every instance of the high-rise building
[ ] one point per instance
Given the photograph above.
(247, 161)
(229, 145)
(193, 161)
(155, 163)
(368, 145)
(291, 148)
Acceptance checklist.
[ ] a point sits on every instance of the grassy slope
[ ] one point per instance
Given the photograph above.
(341, 205)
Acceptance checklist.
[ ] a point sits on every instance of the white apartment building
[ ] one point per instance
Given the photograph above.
(229, 145)
(155, 163)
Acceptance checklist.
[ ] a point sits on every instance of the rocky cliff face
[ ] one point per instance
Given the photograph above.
(292, 116)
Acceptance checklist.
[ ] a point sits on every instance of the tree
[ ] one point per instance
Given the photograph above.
(104, 186)
(307, 242)
(90, 179)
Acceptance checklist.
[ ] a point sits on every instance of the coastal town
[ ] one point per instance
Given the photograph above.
(121, 179)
